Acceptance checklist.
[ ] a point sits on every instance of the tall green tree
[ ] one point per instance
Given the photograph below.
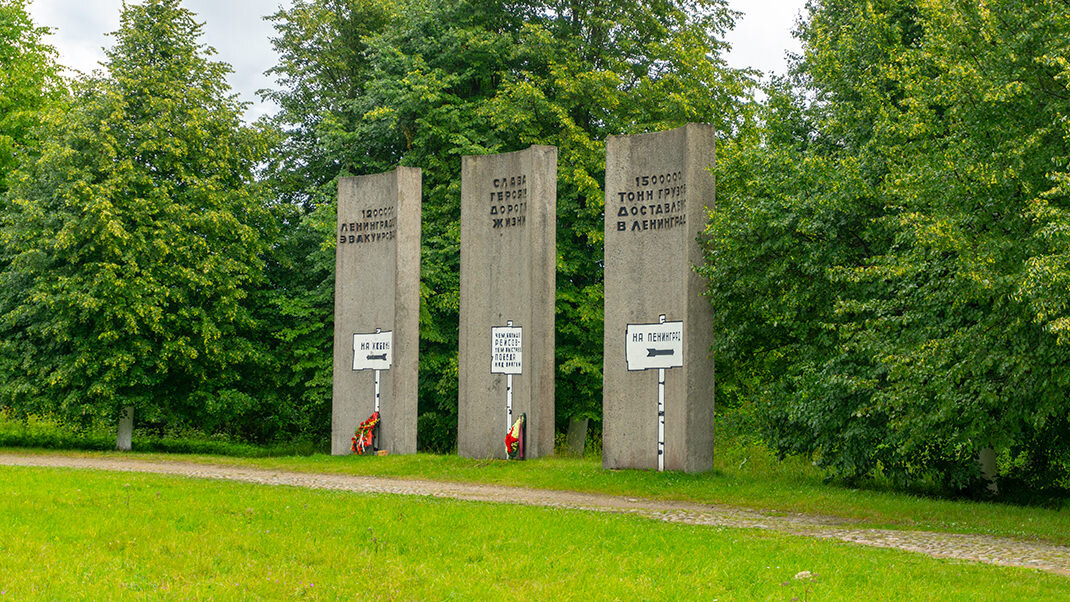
(908, 295)
(29, 82)
(425, 82)
(135, 238)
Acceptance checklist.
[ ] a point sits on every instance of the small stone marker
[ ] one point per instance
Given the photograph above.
(508, 285)
(657, 192)
(377, 308)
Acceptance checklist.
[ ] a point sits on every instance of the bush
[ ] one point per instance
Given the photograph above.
(49, 432)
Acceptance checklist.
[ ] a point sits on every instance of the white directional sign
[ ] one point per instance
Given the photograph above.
(653, 346)
(506, 349)
(373, 351)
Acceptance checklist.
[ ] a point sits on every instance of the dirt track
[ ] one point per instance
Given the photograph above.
(979, 548)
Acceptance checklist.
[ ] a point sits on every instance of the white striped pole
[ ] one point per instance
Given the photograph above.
(661, 419)
(376, 390)
(508, 400)
(661, 411)
(377, 330)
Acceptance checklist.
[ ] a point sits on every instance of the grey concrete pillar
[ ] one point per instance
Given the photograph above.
(508, 275)
(658, 188)
(377, 308)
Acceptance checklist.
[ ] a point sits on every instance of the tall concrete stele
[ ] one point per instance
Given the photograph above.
(377, 308)
(508, 284)
(658, 392)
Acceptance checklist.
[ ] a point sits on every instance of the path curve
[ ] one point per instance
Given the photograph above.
(979, 548)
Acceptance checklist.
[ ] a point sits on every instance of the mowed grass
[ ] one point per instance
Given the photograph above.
(87, 535)
(747, 477)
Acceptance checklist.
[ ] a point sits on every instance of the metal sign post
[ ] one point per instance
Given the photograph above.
(374, 351)
(507, 353)
(656, 346)
(661, 419)
(376, 391)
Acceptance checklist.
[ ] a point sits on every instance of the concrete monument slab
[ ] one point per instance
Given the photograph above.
(658, 392)
(377, 308)
(508, 284)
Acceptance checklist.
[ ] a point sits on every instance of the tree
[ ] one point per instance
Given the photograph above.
(372, 85)
(907, 294)
(135, 238)
(29, 82)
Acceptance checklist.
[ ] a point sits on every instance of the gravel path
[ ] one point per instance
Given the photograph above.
(979, 548)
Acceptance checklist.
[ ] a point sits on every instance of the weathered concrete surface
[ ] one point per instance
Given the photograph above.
(508, 273)
(657, 191)
(377, 285)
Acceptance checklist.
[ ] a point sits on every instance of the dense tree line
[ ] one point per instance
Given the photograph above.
(366, 86)
(133, 239)
(149, 264)
(888, 257)
(29, 82)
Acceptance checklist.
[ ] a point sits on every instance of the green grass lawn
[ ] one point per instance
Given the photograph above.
(87, 535)
(761, 483)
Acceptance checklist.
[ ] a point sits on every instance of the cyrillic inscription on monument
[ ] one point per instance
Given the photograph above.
(509, 201)
(375, 225)
(657, 201)
(507, 282)
(377, 308)
(658, 189)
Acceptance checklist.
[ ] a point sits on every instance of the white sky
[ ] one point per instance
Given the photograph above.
(236, 29)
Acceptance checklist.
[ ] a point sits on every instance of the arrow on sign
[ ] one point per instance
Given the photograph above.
(656, 352)
(377, 357)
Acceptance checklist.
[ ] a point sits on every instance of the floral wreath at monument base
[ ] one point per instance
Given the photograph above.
(364, 439)
(514, 439)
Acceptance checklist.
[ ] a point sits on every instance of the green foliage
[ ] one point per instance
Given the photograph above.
(135, 237)
(29, 82)
(889, 262)
(97, 535)
(47, 431)
(367, 86)
(746, 474)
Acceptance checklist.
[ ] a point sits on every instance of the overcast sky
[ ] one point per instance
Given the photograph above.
(237, 30)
